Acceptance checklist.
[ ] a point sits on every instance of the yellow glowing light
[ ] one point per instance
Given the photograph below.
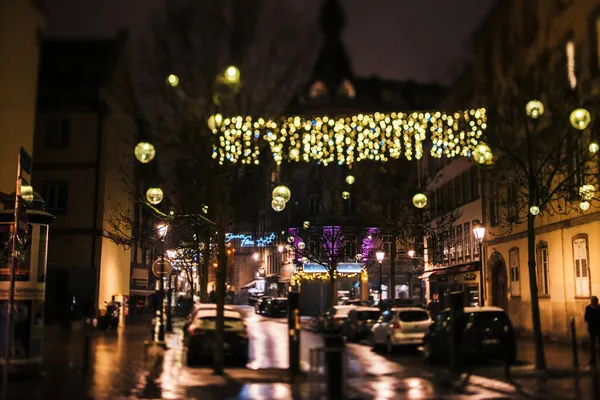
(283, 192)
(144, 152)
(534, 109)
(345, 195)
(419, 200)
(584, 205)
(154, 196)
(278, 204)
(580, 118)
(350, 179)
(232, 74)
(586, 192)
(482, 154)
(534, 210)
(300, 276)
(594, 147)
(306, 224)
(173, 80)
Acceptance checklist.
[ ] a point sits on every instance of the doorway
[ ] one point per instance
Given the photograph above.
(499, 285)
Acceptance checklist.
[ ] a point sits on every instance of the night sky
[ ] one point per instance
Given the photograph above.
(424, 40)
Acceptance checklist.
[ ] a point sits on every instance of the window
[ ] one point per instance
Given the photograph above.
(452, 246)
(459, 242)
(515, 277)
(57, 132)
(571, 63)
(314, 204)
(582, 273)
(347, 89)
(542, 270)
(467, 243)
(317, 89)
(56, 196)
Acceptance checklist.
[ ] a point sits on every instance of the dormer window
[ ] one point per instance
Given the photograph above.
(317, 89)
(347, 89)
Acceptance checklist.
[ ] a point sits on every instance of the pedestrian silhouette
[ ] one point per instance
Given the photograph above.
(592, 318)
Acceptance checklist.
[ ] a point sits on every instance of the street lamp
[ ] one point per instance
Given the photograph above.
(479, 233)
(411, 253)
(379, 255)
(162, 230)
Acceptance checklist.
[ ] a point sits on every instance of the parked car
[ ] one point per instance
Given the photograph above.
(487, 334)
(356, 302)
(359, 322)
(396, 303)
(183, 307)
(199, 307)
(260, 307)
(276, 307)
(332, 320)
(401, 327)
(200, 337)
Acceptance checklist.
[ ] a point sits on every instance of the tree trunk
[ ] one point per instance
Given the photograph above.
(392, 283)
(540, 359)
(218, 356)
(332, 284)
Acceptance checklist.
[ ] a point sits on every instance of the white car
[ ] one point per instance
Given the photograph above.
(400, 327)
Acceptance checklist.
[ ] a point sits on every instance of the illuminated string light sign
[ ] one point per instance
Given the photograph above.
(346, 140)
(342, 268)
(247, 240)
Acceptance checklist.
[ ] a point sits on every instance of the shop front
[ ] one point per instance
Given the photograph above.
(440, 282)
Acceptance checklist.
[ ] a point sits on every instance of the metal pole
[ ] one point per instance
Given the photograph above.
(169, 299)
(574, 344)
(380, 281)
(11, 295)
(481, 277)
(161, 289)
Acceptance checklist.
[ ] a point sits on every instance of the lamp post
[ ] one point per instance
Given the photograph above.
(479, 233)
(379, 255)
(162, 230)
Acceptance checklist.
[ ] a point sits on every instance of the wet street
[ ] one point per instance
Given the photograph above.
(118, 368)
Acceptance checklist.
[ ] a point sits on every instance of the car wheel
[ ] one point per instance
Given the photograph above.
(389, 346)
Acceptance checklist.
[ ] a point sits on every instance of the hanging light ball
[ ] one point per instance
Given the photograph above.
(278, 204)
(483, 154)
(291, 239)
(594, 147)
(580, 118)
(306, 224)
(304, 260)
(154, 195)
(144, 152)
(587, 192)
(283, 192)
(215, 121)
(301, 245)
(534, 210)
(419, 200)
(534, 109)
(584, 205)
(294, 153)
(173, 80)
(232, 74)
(345, 195)
(358, 257)
(350, 179)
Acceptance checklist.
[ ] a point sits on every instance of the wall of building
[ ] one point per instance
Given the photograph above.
(20, 26)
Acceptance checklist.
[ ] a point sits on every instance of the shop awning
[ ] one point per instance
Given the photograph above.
(249, 285)
(453, 270)
(426, 274)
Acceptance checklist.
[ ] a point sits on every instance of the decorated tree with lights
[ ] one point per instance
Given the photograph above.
(540, 160)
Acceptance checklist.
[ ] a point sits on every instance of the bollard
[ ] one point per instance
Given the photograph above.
(456, 311)
(294, 334)
(334, 366)
(574, 344)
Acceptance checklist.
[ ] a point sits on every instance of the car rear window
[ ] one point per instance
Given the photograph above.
(489, 319)
(364, 315)
(413, 316)
(230, 323)
(280, 302)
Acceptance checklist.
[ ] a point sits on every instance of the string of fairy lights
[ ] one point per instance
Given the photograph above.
(347, 140)
(300, 276)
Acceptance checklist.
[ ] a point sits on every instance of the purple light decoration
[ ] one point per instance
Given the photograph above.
(368, 245)
(329, 233)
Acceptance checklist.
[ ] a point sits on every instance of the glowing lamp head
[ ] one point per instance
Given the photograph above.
(594, 147)
(534, 210)
(144, 152)
(584, 205)
(411, 253)
(232, 75)
(580, 118)
(345, 195)
(162, 230)
(379, 255)
(350, 179)
(154, 196)
(280, 248)
(419, 200)
(283, 192)
(255, 256)
(534, 109)
(479, 232)
(173, 80)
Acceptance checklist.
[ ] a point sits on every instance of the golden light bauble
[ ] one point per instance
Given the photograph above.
(586, 192)
(144, 152)
(173, 80)
(534, 109)
(278, 204)
(419, 200)
(154, 195)
(482, 154)
(301, 245)
(304, 260)
(306, 224)
(283, 192)
(215, 121)
(350, 179)
(584, 205)
(594, 147)
(534, 210)
(27, 193)
(580, 118)
(232, 75)
(345, 195)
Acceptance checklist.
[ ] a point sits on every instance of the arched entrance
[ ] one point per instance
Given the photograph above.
(499, 280)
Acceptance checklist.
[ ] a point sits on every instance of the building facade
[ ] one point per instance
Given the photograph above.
(83, 142)
(566, 244)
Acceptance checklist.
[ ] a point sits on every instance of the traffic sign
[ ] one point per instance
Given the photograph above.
(158, 270)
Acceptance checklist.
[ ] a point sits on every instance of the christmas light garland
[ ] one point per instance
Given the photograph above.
(300, 276)
(346, 140)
